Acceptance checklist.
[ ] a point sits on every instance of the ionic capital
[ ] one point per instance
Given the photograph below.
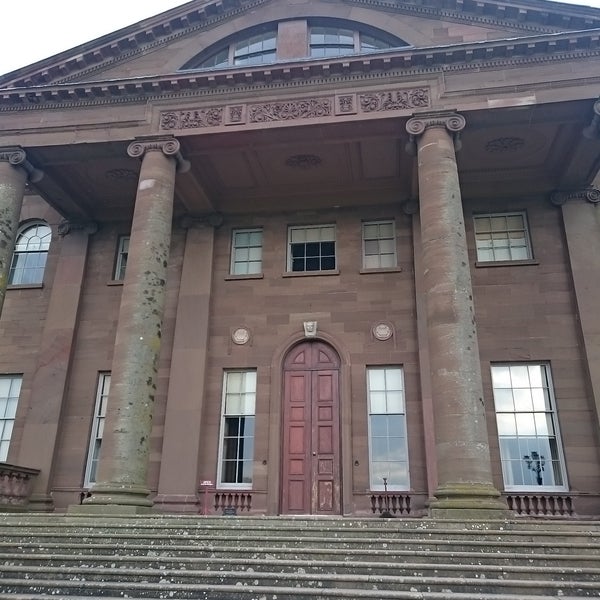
(16, 156)
(449, 120)
(562, 197)
(592, 131)
(169, 146)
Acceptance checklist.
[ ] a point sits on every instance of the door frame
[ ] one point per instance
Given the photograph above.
(274, 453)
(311, 421)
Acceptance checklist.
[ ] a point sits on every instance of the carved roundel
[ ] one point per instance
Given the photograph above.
(382, 331)
(240, 336)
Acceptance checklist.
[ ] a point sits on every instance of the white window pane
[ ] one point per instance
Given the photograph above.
(525, 424)
(255, 238)
(255, 254)
(248, 404)
(515, 222)
(503, 400)
(254, 267)
(313, 234)
(371, 247)
(498, 223)
(501, 254)
(393, 379)
(535, 375)
(523, 401)
(541, 400)
(5, 383)
(543, 424)
(501, 377)
(506, 424)
(3, 451)
(298, 236)
(371, 262)
(241, 239)
(387, 246)
(234, 382)
(11, 408)
(241, 255)
(370, 232)
(376, 379)
(377, 402)
(520, 253)
(240, 268)
(388, 260)
(482, 225)
(233, 404)
(395, 402)
(250, 381)
(519, 376)
(386, 230)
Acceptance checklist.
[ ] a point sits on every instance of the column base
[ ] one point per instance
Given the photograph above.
(468, 501)
(115, 499)
(178, 503)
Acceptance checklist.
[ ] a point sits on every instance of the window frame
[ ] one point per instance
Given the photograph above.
(551, 412)
(121, 257)
(221, 471)
(8, 421)
(378, 223)
(247, 262)
(373, 485)
(97, 429)
(25, 227)
(505, 214)
(320, 256)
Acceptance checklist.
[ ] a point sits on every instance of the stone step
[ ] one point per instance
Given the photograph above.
(184, 584)
(236, 593)
(28, 564)
(193, 542)
(224, 553)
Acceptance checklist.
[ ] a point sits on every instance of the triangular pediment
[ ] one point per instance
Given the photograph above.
(162, 45)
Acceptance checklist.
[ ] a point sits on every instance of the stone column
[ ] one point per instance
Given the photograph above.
(179, 469)
(15, 169)
(465, 487)
(581, 219)
(122, 477)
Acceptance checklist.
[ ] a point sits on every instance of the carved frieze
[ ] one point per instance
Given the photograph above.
(191, 119)
(291, 110)
(394, 100)
(340, 105)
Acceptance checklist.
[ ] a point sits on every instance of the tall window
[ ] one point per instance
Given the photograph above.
(502, 236)
(246, 251)
(311, 248)
(388, 449)
(10, 388)
(379, 244)
(530, 447)
(97, 428)
(121, 258)
(237, 429)
(31, 252)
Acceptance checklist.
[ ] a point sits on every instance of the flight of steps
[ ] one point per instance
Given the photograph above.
(272, 558)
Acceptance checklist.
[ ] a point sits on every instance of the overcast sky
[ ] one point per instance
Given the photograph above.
(36, 29)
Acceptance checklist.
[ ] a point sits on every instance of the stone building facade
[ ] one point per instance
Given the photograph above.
(315, 257)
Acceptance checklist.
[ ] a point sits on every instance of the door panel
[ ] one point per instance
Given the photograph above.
(311, 462)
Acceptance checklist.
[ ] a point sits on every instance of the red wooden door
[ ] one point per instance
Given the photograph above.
(311, 457)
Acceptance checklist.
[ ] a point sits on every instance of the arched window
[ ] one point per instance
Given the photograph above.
(326, 37)
(255, 46)
(31, 252)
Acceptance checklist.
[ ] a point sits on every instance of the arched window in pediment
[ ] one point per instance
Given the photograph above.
(322, 38)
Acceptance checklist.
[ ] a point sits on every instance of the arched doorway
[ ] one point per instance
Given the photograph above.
(311, 474)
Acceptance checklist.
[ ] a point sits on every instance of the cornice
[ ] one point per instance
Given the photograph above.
(108, 51)
(411, 63)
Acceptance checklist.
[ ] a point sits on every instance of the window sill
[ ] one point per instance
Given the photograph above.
(310, 273)
(233, 487)
(242, 277)
(25, 286)
(381, 270)
(115, 282)
(506, 263)
(537, 489)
